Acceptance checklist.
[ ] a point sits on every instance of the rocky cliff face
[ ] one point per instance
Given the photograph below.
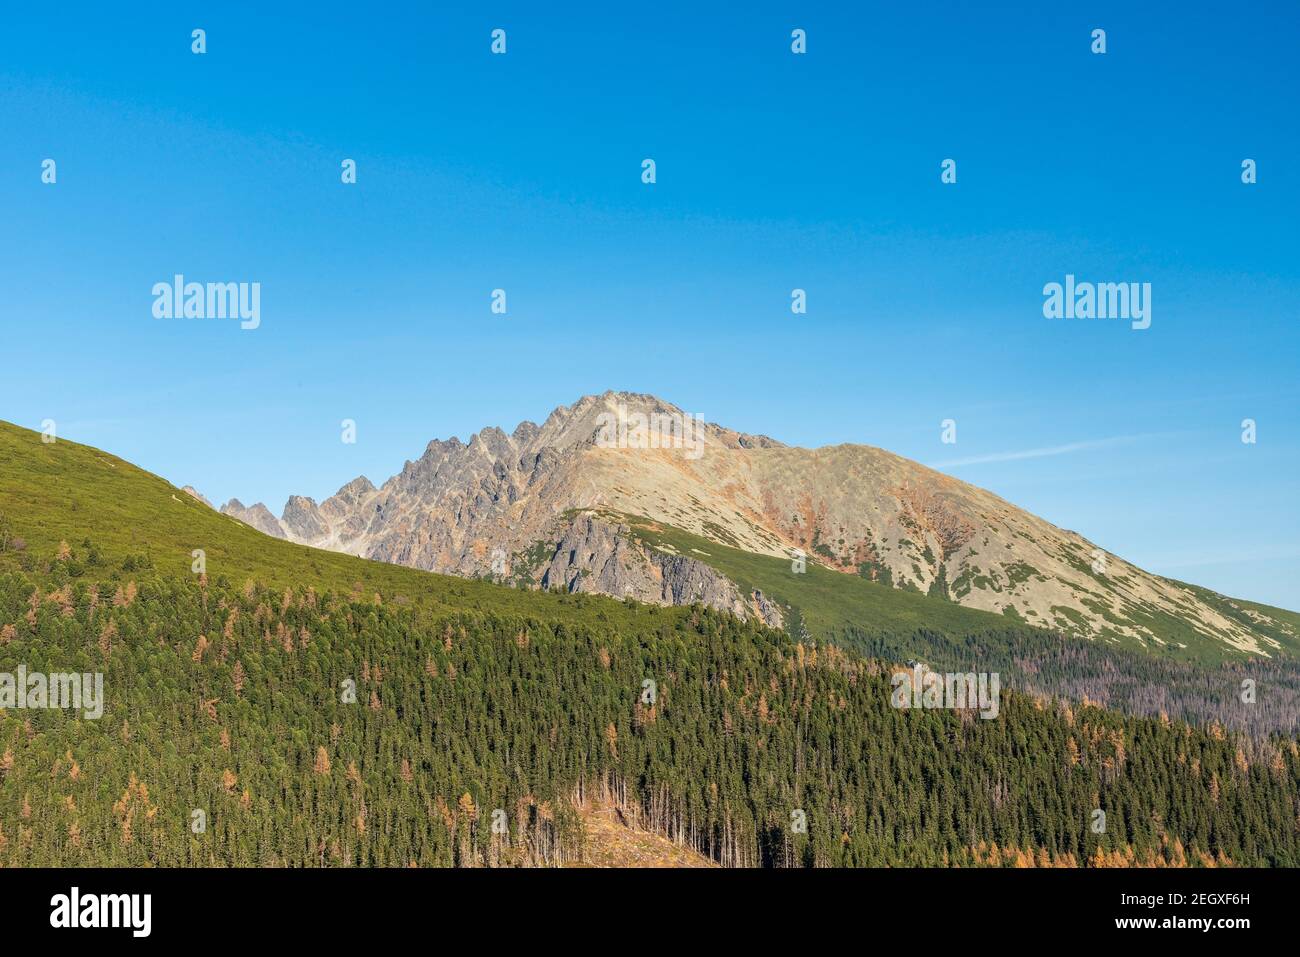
(258, 516)
(853, 508)
(195, 493)
(592, 555)
(303, 520)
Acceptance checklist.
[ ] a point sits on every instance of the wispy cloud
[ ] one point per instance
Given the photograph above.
(1261, 553)
(1044, 451)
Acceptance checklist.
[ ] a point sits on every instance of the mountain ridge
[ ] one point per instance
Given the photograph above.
(485, 507)
(54, 498)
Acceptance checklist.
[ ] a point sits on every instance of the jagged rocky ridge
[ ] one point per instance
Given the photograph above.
(526, 507)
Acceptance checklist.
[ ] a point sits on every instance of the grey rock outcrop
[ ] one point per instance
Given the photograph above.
(258, 516)
(303, 519)
(598, 557)
(191, 491)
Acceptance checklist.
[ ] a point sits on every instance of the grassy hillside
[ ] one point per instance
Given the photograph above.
(65, 492)
(830, 604)
(1263, 618)
(823, 601)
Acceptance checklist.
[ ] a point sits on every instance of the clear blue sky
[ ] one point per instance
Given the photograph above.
(775, 171)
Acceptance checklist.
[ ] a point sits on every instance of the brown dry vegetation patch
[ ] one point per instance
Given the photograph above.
(613, 841)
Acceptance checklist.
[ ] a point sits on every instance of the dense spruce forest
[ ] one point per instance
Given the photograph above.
(231, 698)
(1039, 662)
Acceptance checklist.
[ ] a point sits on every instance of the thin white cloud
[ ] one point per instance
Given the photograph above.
(1261, 553)
(1043, 452)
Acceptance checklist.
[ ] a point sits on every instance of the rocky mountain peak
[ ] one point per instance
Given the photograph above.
(258, 516)
(356, 489)
(302, 517)
(853, 509)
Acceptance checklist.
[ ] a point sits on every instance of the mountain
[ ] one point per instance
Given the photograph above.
(190, 490)
(258, 516)
(592, 500)
(310, 708)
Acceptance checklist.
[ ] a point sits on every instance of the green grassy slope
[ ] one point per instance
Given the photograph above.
(65, 492)
(1255, 615)
(828, 603)
(823, 600)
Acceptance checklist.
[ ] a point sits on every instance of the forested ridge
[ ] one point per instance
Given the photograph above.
(228, 698)
(1042, 663)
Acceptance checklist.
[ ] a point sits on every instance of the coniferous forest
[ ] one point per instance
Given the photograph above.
(322, 729)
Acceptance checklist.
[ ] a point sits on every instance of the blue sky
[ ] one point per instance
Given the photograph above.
(775, 171)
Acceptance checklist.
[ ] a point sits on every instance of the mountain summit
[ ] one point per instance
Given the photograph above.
(565, 505)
